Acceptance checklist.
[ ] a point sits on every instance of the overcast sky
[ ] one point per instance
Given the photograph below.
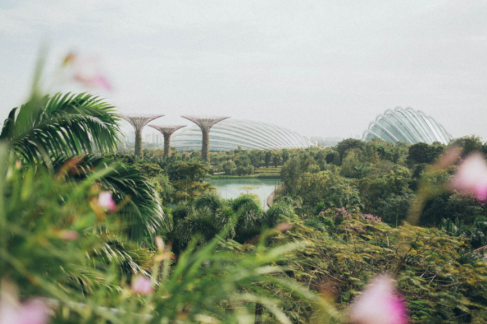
(321, 68)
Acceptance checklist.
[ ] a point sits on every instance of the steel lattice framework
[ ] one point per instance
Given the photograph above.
(205, 123)
(167, 131)
(138, 121)
(406, 125)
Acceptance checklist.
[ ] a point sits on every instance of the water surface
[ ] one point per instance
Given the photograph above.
(232, 188)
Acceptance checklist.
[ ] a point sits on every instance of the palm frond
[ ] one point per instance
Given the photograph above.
(62, 125)
(142, 215)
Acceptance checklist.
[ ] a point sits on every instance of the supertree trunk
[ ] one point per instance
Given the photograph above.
(138, 143)
(205, 123)
(138, 122)
(205, 147)
(167, 131)
(167, 146)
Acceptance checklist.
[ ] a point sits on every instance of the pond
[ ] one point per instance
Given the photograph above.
(232, 188)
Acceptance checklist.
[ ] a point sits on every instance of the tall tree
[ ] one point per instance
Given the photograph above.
(267, 158)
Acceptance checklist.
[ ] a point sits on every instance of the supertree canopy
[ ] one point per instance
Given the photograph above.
(167, 131)
(205, 123)
(138, 121)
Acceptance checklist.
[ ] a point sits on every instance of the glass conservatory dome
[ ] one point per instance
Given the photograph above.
(231, 133)
(406, 125)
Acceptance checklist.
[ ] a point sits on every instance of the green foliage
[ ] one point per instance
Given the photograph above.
(194, 171)
(438, 280)
(229, 167)
(452, 206)
(84, 274)
(375, 191)
(142, 213)
(475, 234)
(53, 233)
(276, 158)
(61, 125)
(424, 153)
(395, 208)
(149, 170)
(242, 218)
(351, 165)
(333, 158)
(232, 260)
(469, 144)
(291, 173)
(267, 158)
(327, 187)
(348, 144)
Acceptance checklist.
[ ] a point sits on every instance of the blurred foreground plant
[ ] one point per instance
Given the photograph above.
(51, 235)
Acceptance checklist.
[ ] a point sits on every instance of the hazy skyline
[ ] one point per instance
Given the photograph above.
(320, 68)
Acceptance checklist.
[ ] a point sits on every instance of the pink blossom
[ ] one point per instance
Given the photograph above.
(379, 304)
(33, 311)
(93, 80)
(86, 71)
(68, 235)
(471, 176)
(142, 285)
(105, 200)
(371, 218)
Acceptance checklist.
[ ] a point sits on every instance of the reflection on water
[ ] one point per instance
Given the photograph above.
(229, 188)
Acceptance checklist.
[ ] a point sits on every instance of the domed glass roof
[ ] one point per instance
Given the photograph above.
(406, 125)
(231, 133)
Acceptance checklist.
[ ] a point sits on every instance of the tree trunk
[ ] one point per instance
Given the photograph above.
(205, 148)
(138, 143)
(167, 145)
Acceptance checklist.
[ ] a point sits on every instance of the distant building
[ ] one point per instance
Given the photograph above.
(331, 141)
(131, 137)
(316, 140)
(232, 133)
(406, 125)
(325, 141)
(154, 138)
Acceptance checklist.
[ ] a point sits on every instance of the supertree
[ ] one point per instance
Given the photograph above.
(138, 121)
(167, 131)
(205, 123)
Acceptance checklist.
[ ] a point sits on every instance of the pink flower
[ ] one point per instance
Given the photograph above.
(86, 71)
(68, 235)
(33, 311)
(142, 285)
(93, 81)
(105, 200)
(379, 304)
(471, 176)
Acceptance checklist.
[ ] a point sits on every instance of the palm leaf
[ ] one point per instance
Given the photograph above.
(142, 215)
(61, 125)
